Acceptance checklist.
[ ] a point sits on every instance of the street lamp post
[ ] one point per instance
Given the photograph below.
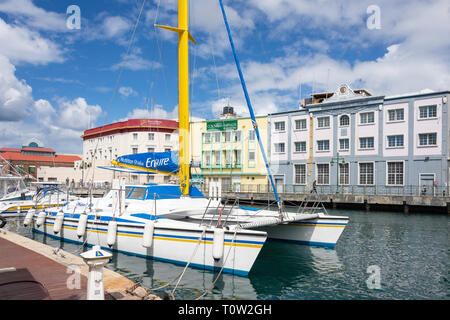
(337, 158)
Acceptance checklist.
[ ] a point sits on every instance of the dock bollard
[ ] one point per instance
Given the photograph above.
(96, 259)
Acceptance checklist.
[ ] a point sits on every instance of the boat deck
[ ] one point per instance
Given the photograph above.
(36, 277)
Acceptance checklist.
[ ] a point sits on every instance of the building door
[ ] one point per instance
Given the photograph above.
(279, 183)
(427, 184)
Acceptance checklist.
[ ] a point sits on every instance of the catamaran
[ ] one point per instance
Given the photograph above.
(177, 223)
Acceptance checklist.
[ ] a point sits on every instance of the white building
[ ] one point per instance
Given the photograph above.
(106, 143)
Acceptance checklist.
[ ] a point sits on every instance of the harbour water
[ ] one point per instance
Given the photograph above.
(380, 255)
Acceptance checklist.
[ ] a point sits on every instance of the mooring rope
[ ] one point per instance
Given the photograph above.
(223, 266)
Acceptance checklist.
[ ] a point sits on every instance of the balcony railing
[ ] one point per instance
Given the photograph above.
(436, 191)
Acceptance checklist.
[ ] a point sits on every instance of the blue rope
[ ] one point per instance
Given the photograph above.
(247, 98)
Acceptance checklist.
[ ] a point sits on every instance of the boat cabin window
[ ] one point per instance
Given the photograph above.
(137, 193)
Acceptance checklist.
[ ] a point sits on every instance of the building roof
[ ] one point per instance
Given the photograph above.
(10, 150)
(21, 157)
(38, 149)
(130, 125)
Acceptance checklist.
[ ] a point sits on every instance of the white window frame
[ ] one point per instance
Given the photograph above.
(323, 127)
(348, 174)
(403, 173)
(300, 151)
(366, 148)
(366, 123)
(279, 122)
(427, 145)
(395, 115)
(275, 147)
(359, 173)
(317, 173)
(323, 150)
(427, 117)
(295, 174)
(344, 125)
(396, 146)
(340, 149)
(300, 121)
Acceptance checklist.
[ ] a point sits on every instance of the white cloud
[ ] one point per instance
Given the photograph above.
(15, 95)
(157, 112)
(77, 114)
(33, 16)
(127, 91)
(21, 45)
(115, 26)
(134, 62)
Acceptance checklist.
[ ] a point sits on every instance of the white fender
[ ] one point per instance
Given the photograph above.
(58, 222)
(41, 218)
(82, 222)
(218, 243)
(112, 233)
(29, 217)
(147, 238)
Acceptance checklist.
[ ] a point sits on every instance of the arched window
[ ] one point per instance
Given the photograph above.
(344, 121)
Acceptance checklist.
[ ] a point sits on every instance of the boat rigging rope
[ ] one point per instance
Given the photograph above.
(187, 265)
(223, 266)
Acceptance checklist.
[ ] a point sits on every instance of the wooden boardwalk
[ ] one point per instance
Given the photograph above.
(36, 277)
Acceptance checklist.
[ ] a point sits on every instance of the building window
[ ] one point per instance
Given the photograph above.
(151, 136)
(367, 117)
(366, 143)
(238, 157)
(251, 155)
(134, 150)
(237, 136)
(279, 147)
(217, 136)
(300, 173)
(207, 159)
(344, 121)
(426, 112)
(300, 124)
(396, 115)
(207, 137)
(217, 157)
(427, 139)
(279, 126)
(135, 136)
(167, 137)
(323, 173)
(344, 144)
(395, 141)
(323, 122)
(300, 146)
(227, 157)
(395, 173)
(251, 135)
(166, 149)
(150, 149)
(227, 136)
(323, 145)
(344, 173)
(366, 173)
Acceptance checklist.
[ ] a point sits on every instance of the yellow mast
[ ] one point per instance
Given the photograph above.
(183, 91)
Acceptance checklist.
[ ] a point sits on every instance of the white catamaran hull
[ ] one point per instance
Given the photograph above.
(323, 231)
(175, 244)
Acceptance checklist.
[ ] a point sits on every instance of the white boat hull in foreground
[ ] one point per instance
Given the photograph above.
(172, 242)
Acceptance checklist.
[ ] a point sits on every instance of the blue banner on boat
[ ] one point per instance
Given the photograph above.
(161, 162)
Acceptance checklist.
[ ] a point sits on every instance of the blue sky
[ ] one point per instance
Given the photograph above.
(56, 82)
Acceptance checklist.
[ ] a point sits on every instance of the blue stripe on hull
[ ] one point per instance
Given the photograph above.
(309, 243)
(177, 262)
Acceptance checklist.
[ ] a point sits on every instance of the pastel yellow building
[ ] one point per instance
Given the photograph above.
(227, 151)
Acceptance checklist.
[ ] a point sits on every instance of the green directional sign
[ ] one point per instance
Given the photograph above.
(221, 125)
